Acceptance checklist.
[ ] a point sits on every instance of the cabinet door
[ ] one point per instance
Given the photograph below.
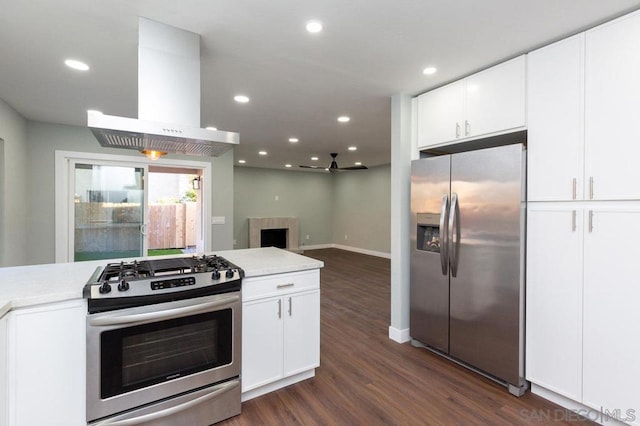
(612, 311)
(612, 109)
(555, 119)
(495, 99)
(440, 115)
(554, 299)
(47, 365)
(262, 340)
(302, 332)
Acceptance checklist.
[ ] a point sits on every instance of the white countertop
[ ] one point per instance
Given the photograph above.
(22, 286)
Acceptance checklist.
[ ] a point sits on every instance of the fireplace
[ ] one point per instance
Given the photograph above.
(282, 232)
(273, 238)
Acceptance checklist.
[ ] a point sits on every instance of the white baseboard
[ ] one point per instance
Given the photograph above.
(398, 335)
(347, 248)
(315, 246)
(363, 251)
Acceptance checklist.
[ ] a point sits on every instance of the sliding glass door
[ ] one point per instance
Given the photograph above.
(109, 211)
(124, 209)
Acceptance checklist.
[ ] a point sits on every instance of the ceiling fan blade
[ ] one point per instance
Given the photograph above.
(354, 168)
(312, 167)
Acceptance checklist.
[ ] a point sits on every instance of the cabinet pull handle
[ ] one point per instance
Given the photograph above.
(467, 128)
(279, 308)
(290, 306)
(573, 221)
(590, 220)
(591, 188)
(457, 130)
(286, 285)
(575, 185)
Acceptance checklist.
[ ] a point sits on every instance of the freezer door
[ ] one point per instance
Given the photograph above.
(487, 280)
(429, 295)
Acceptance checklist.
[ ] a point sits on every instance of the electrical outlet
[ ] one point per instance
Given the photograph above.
(218, 220)
(235, 242)
(345, 237)
(307, 237)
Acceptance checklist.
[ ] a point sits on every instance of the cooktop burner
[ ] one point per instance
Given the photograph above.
(180, 277)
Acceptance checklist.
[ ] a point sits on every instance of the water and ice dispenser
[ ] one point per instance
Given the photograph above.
(428, 232)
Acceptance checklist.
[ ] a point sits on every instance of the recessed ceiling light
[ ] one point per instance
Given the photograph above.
(211, 128)
(353, 148)
(343, 119)
(357, 163)
(287, 165)
(293, 140)
(242, 161)
(76, 65)
(429, 70)
(241, 98)
(94, 111)
(262, 152)
(314, 158)
(314, 26)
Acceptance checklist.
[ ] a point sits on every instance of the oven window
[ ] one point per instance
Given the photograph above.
(143, 355)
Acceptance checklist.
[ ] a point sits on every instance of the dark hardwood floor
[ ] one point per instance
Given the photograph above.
(367, 379)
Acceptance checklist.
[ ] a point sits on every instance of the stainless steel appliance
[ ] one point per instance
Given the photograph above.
(164, 342)
(467, 259)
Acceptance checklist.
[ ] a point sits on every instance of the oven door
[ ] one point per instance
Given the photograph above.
(140, 355)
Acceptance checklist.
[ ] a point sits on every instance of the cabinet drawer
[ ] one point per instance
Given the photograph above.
(273, 285)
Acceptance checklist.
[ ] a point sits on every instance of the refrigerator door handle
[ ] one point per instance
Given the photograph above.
(454, 235)
(444, 235)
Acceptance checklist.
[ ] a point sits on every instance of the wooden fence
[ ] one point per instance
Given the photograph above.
(116, 226)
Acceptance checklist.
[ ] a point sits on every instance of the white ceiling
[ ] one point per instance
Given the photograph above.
(298, 83)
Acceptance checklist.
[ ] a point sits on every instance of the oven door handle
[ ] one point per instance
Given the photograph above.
(162, 315)
(145, 418)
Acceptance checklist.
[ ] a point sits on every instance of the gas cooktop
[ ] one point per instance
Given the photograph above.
(158, 280)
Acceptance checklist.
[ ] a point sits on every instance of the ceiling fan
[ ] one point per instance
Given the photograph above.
(334, 166)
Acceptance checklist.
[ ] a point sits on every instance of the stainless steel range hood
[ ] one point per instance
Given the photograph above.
(168, 99)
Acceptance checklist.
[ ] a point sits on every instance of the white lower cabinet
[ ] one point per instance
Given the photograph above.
(554, 299)
(280, 330)
(583, 304)
(4, 372)
(46, 365)
(611, 370)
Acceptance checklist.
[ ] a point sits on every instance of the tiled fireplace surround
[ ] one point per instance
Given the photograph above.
(291, 224)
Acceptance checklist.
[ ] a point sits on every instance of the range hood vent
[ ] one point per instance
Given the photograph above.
(168, 92)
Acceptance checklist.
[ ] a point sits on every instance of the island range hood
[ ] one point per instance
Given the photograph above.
(168, 100)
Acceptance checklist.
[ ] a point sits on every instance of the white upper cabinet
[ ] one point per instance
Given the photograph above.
(495, 99)
(612, 110)
(441, 115)
(486, 103)
(555, 105)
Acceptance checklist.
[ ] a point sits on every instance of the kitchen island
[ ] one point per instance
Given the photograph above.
(43, 332)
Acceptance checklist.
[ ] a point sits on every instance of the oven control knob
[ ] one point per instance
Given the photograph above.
(105, 288)
(215, 275)
(123, 286)
(229, 273)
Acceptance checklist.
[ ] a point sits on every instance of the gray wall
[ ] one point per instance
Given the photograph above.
(305, 195)
(362, 209)
(328, 205)
(43, 139)
(14, 174)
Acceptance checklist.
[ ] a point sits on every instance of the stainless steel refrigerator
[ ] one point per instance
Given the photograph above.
(467, 259)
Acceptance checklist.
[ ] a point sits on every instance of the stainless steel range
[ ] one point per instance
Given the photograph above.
(163, 342)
